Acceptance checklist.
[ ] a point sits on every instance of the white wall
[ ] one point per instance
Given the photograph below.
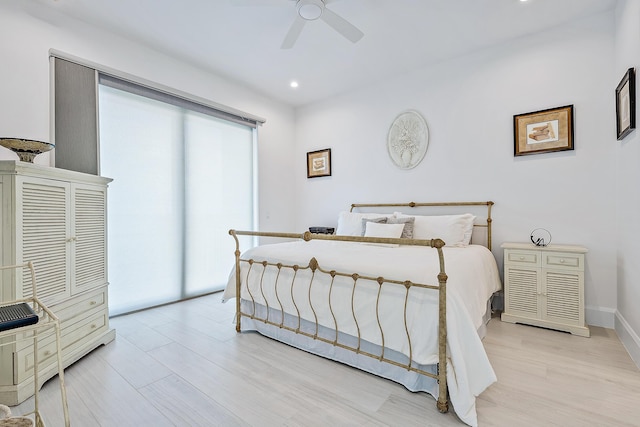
(469, 105)
(468, 102)
(29, 31)
(627, 181)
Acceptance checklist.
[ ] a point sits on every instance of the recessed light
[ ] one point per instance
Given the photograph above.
(293, 84)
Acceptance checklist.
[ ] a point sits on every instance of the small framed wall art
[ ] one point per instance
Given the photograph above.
(543, 131)
(626, 104)
(319, 163)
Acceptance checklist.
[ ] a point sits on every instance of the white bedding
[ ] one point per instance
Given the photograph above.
(472, 279)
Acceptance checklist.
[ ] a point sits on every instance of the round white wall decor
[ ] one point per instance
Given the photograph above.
(408, 139)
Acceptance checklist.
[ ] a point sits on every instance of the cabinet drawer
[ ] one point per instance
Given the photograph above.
(73, 310)
(531, 259)
(563, 261)
(80, 304)
(72, 337)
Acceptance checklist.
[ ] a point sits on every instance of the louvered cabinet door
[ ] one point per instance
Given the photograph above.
(521, 291)
(563, 287)
(89, 246)
(42, 236)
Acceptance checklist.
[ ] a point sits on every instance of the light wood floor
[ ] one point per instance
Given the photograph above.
(184, 365)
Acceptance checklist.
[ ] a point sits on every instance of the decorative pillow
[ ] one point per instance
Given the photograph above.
(455, 230)
(375, 229)
(408, 221)
(381, 220)
(350, 223)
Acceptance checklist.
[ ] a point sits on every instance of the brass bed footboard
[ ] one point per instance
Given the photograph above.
(315, 268)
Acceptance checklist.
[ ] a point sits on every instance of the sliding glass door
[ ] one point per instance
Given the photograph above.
(182, 179)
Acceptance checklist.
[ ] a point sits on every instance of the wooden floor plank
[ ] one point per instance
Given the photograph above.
(184, 405)
(137, 367)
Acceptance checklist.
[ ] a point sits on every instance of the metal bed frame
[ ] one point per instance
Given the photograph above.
(441, 372)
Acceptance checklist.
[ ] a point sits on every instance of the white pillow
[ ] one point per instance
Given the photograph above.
(468, 228)
(350, 223)
(455, 230)
(375, 229)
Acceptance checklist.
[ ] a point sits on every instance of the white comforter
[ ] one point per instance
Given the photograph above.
(472, 278)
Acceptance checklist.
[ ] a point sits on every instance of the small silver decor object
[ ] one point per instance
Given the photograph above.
(540, 237)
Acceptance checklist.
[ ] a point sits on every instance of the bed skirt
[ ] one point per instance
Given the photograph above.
(413, 381)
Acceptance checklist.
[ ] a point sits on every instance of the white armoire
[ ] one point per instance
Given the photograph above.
(57, 219)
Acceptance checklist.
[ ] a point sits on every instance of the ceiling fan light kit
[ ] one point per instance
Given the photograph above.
(310, 9)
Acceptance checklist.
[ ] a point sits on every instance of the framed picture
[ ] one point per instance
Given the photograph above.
(543, 131)
(626, 104)
(319, 163)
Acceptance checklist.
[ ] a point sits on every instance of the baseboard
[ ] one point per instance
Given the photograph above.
(601, 316)
(629, 338)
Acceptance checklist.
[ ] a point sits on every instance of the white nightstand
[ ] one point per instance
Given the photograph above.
(544, 286)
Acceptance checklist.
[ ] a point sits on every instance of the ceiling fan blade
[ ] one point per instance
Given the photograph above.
(293, 34)
(341, 25)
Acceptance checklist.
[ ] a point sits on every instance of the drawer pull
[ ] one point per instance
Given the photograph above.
(92, 303)
(47, 353)
(561, 260)
(521, 258)
(93, 326)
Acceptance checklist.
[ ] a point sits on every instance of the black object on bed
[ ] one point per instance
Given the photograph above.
(17, 315)
(322, 230)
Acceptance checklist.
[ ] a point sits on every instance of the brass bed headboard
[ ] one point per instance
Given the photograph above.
(486, 224)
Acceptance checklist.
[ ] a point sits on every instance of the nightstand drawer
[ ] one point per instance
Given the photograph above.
(531, 259)
(563, 260)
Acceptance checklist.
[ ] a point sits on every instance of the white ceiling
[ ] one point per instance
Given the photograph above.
(242, 43)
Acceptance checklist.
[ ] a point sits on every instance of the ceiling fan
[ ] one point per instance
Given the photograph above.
(310, 10)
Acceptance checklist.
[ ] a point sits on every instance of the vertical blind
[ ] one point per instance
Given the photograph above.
(75, 118)
(182, 179)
